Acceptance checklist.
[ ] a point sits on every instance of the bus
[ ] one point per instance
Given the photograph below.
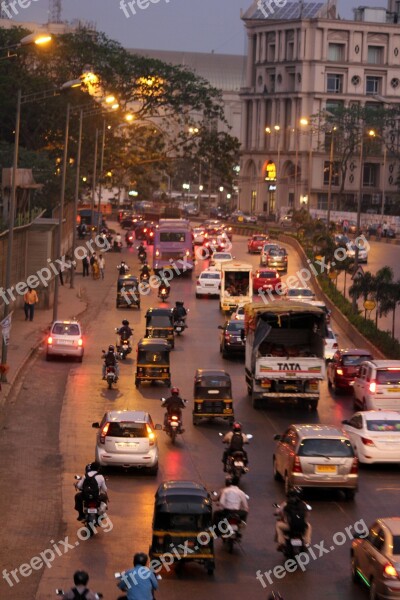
(173, 246)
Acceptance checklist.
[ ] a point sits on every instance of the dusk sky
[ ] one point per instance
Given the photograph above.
(190, 25)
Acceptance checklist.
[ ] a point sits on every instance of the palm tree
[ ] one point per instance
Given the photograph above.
(383, 286)
(346, 266)
(363, 286)
(390, 300)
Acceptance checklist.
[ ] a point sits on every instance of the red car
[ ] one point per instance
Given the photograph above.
(344, 368)
(265, 279)
(255, 244)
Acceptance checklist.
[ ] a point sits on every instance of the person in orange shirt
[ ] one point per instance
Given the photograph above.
(30, 299)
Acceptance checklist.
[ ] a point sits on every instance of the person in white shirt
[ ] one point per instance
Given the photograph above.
(231, 499)
(92, 470)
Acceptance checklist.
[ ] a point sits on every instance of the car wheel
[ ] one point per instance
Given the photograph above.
(329, 383)
(354, 572)
(225, 354)
(349, 494)
(277, 475)
(153, 470)
(372, 591)
(197, 295)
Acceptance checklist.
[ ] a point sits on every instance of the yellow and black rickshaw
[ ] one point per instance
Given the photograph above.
(153, 361)
(181, 524)
(160, 324)
(128, 291)
(212, 396)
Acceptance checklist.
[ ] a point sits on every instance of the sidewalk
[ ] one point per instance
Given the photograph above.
(26, 336)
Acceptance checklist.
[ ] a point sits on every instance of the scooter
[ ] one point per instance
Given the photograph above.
(294, 539)
(142, 256)
(129, 240)
(144, 278)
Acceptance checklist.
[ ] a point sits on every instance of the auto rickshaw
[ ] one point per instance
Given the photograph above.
(212, 396)
(128, 291)
(160, 324)
(153, 361)
(182, 521)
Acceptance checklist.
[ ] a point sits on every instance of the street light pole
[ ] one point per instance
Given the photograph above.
(76, 198)
(328, 215)
(61, 214)
(94, 178)
(383, 182)
(359, 202)
(11, 219)
(103, 143)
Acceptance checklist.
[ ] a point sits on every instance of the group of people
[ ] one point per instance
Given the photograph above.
(96, 264)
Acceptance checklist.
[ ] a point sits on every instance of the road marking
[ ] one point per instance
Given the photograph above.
(76, 543)
(332, 548)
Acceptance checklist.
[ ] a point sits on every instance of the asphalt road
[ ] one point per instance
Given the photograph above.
(197, 456)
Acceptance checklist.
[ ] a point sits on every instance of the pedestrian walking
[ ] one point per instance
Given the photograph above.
(102, 265)
(385, 228)
(30, 299)
(85, 266)
(93, 259)
(68, 269)
(96, 270)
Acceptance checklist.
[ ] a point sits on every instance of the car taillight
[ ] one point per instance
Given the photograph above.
(49, 340)
(227, 335)
(151, 233)
(367, 442)
(297, 466)
(372, 387)
(335, 345)
(354, 466)
(150, 435)
(389, 572)
(339, 371)
(80, 342)
(104, 433)
(144, 230)
(131, 238)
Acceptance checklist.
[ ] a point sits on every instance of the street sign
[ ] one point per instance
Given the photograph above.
(358, 273)
(369, 304)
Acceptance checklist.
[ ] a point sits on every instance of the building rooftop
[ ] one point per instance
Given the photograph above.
(225, 72)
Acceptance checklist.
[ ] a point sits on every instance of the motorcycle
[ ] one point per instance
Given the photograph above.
(236, 463)
(142, 256)
(111, 376)
(163, 293)
(174, 424)
(180, 324)
(294, 539)
(123, 346)
(237, 525)
(144, 278)
(93, 508)
(129, 240)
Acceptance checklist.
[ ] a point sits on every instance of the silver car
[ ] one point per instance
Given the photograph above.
(316, 456)
(127, 438)
(65, 339)
(375, 559)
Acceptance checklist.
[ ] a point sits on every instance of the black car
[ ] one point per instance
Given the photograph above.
(232, 338)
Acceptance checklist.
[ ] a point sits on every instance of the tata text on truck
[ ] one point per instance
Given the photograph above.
(284, 352)
(236, 285)
(173, 246)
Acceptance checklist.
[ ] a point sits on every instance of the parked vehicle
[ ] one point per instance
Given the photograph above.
(344, 367)
(377, 385)
(127, 438)
(284, 352)
(212, 396)
(319, 456)
(153, 361)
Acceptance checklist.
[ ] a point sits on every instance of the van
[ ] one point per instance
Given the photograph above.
(377, 386)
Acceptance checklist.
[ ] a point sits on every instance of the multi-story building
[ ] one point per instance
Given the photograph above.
(302, 60)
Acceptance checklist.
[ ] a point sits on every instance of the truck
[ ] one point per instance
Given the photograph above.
(236, 285)
(284, 352)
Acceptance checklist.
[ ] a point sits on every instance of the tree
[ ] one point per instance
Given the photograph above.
(383, 282)
(390, 300)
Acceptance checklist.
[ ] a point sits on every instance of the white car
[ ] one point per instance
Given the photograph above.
(303, 294)
(331, 344)
(220, 257)
(65, 339)
(362, 253)
(127, 438)
(198, 236)
(208, 283)
(238, 315)
(375, 436)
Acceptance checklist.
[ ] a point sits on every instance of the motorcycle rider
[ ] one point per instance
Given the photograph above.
(123, 268)
(139, 582)
(145, 270)
(293, 505)
(174, 403)
(179, 312)
(80, 589)
(163, 286)
(118, 242)
(231, 499)
(125, 332)
(236, 440)
(91, 470)
(141, 251)
(110, 360)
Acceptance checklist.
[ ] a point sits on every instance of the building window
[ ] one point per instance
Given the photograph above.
(334, 83)
(335, 173)
(375, 55)
(291, 82)
(290, 51)
(272, 83)
(332, 105)
(370, 173)
(336, 52)
(322, 201)
(373, 84)
(271, 53)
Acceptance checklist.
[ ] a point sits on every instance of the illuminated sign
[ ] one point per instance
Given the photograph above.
(270, 171)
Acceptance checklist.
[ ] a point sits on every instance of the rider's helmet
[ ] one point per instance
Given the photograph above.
(179, 303)
(125, 322)
(94, 466)
(237, 427)
(81, 578)
(111, 348)
(174, 391)
(140, 558)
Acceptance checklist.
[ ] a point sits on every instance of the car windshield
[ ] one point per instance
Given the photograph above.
(222, 256)
(65, 329)
(153, 357)
(159, 321)
(258, 238)
(350, 360)
(127, 430)
(235, 326)
(385, 376)
(266, 275)
(386, 425)
(334, 448)
(300, 292)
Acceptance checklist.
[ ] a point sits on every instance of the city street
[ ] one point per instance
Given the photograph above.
(79, 397)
